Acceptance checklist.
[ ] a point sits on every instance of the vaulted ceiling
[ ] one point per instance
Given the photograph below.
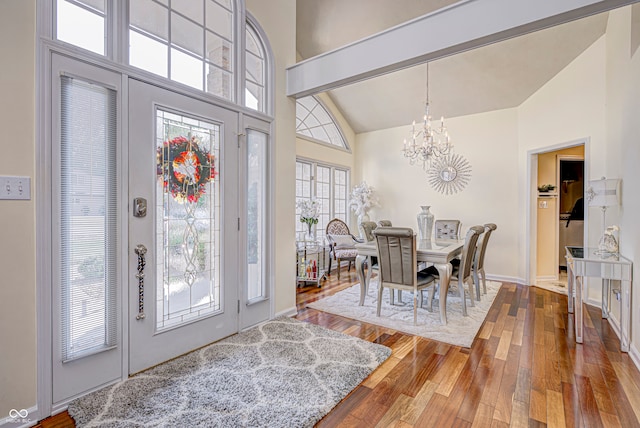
(493, 77)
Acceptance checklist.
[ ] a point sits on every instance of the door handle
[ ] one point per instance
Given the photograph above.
(141, 251)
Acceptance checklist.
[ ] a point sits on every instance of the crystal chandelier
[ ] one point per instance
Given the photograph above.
(429, 142)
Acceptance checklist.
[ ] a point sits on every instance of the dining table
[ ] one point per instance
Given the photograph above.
(438, 252)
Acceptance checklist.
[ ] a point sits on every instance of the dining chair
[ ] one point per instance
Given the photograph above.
(366, 228)
(341, 244)
(462, 272)
(397, 263)
(447, 229)
(478, 262)
(384, 223)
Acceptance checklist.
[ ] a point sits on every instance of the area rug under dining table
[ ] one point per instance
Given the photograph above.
(284, 373)
(459, 331)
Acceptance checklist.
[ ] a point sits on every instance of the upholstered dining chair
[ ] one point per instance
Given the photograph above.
(462, 273)
(397, 263)
(478, 261)
(447, 229)
(341, 244)
(384, 223)
(366, 228)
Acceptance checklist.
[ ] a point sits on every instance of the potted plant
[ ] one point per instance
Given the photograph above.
(545, 188)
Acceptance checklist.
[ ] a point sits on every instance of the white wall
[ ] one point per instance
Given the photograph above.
(570, 107)
(278, 19)
(623, 137)
(489, 142)
(17, 218)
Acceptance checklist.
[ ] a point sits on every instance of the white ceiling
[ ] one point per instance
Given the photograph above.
(492, 77)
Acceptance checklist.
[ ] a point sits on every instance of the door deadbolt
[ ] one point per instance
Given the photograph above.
(139, 207)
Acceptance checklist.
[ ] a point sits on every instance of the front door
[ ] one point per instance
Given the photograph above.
(183, 224)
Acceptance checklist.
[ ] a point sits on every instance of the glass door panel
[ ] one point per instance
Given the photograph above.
(183, 161)
(188, 220)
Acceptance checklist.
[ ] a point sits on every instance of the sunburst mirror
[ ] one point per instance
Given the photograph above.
(450, 174)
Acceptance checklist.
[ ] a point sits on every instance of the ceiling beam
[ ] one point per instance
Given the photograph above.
(465, 25)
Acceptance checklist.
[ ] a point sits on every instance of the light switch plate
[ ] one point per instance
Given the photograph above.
(17, 188)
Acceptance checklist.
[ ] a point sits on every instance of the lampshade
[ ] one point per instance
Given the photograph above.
(603, 192)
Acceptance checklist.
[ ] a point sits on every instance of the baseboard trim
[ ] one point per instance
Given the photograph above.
(503, 278)
(290, 312)
(614, 323)
(634, 355)
(31, 418)
(547, 278)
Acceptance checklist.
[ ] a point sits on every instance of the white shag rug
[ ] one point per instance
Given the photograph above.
(284, 373)
(459, 330)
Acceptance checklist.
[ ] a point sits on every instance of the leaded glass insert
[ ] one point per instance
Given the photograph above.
(187, 219)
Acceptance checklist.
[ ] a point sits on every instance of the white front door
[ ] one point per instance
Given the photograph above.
(183, 224)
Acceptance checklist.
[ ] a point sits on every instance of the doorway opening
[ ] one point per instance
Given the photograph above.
(559, 213)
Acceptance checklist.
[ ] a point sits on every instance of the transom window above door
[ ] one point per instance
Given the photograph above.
(188, 41)
(192, 42)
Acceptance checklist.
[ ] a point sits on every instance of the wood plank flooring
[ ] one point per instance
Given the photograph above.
(523, 370)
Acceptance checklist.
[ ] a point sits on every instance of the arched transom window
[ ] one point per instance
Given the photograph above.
(314, 121)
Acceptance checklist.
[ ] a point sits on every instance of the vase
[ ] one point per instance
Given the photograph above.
(309, 236)
(425, 223)
(362, 218)
(608, 243)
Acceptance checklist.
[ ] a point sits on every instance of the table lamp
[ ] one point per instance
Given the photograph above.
(603, 193)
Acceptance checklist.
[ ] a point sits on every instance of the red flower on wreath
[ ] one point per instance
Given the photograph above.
(185, 168)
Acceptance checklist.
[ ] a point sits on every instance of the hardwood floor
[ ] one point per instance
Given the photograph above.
(523, 370)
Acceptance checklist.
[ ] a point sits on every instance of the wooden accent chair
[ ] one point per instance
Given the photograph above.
(397, 263)
(341, 244)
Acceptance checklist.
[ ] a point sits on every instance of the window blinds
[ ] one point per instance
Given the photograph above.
(88, 218)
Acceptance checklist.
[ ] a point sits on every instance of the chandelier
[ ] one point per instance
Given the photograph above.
(429, 142)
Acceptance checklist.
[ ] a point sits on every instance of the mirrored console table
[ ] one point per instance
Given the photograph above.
(311, 262)
(584, 262)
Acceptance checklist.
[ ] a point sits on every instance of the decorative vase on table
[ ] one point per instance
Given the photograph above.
(310, 236)
(608, 243)
(425, 222)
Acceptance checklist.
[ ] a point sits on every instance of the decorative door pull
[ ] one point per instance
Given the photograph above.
(140, 250)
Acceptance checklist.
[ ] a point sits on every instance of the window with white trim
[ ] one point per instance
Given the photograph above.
(82, 23)
(328, 185)
(313, 121)
(255, 67)
(87, 214)
(187, 41)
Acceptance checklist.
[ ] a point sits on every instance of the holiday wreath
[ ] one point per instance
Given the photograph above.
(185, 168)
